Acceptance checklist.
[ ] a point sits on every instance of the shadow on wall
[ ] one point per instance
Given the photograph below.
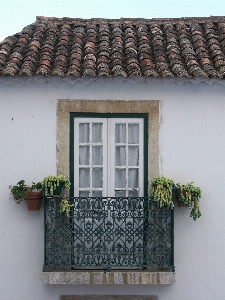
(109, 297)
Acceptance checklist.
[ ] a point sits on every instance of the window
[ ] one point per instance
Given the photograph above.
(109, 157)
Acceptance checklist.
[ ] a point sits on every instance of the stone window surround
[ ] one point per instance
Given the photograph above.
(64, 108)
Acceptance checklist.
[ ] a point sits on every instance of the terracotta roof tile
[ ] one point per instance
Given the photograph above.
(186, 47)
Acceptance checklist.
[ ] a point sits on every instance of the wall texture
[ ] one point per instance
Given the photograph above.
(192, 148)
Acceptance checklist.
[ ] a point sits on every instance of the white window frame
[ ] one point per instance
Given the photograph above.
(109, 145)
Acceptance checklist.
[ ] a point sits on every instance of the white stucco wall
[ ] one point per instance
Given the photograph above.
(192, 146)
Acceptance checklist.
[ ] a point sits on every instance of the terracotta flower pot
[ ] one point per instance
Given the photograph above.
(33, 200)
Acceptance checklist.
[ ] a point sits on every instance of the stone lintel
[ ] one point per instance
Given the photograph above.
(100, 277)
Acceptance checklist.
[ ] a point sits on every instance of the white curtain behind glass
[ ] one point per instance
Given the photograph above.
(108, 150)
(90, 158)
(126, 159)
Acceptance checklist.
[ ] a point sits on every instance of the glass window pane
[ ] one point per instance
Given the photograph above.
(133, 194)
(97, 132)
(84, 130)
(97, 194)
(83, 194)
(97, 177)
(133, 133)
(84, 177)
(97, 157)
(120, 134)
(120, 178)
(84, 155)
(120, 156)
(120, 194)
(133, 155)
(133, 178)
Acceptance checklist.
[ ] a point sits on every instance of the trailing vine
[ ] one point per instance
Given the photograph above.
(65, 207)
(50, 183)
(162, 190)
(190, 195)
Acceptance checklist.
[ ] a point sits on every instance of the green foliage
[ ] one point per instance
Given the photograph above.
(65, 207)
(50, 183)
(36, 186)
(161, 191)
(20, 190)
(190, 195)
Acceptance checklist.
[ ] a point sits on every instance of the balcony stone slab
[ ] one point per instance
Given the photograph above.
(113, 277)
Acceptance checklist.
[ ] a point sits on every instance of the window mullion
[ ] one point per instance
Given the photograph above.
(110, 159)
(126, 159)
(90, 159)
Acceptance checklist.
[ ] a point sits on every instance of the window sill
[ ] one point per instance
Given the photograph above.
(113, 277)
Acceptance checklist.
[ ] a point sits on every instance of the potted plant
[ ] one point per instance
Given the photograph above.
(65, 207)
(53, 185)
(32, 194)
(162, 191)
(189, 195)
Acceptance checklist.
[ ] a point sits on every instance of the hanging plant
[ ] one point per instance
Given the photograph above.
(190, 195)
(51, 183)
(65, 207)
(162, 190)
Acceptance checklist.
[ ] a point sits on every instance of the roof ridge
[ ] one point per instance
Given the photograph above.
(133, 20)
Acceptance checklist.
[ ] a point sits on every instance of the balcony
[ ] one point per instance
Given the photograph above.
(110, 235)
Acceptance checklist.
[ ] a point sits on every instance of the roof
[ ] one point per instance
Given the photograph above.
(185, 47)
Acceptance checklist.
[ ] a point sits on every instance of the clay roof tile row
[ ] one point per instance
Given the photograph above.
(187, 47)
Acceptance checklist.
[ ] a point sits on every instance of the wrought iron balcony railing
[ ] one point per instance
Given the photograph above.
(108, 233)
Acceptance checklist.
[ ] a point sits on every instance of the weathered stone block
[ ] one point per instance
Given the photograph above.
(95, 277)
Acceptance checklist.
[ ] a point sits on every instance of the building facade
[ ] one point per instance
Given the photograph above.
(113, 72)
